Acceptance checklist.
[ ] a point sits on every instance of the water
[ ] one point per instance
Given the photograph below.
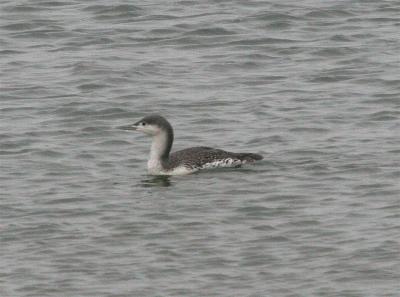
(314, 86)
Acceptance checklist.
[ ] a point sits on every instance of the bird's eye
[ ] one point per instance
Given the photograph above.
(143, 124)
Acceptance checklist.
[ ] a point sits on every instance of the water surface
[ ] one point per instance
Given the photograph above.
(313, 86)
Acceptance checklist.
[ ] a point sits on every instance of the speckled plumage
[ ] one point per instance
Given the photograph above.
(184, 161)
(206, 157)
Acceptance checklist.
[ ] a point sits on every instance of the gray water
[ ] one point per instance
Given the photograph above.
(314, 86)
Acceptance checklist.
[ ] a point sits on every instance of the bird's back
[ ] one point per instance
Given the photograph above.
(206, 157)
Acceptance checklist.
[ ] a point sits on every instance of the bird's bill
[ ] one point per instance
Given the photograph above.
(131, 127)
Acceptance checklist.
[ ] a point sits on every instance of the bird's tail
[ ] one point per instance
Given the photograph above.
(249, 157)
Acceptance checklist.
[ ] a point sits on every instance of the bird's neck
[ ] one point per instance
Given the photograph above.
(160, 149)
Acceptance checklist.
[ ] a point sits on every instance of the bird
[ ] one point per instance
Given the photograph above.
(186, 161)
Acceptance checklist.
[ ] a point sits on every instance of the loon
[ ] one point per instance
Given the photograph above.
(186, 161)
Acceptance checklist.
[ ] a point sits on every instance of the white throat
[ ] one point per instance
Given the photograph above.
(158, 147)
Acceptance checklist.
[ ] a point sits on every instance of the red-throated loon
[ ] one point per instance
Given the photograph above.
(186, 161)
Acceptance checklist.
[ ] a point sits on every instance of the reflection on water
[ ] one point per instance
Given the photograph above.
(156, 181)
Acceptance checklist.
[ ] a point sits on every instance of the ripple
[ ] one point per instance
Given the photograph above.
(91, 86)
(385, 115)
(115, 12)
(329, 13)
(114, 143)
(49, 153)
(310, 130)
(210, 32)
(22, 8)
(261, 41)
(19, 26)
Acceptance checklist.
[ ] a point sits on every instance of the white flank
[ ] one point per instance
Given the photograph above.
(222, 163)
